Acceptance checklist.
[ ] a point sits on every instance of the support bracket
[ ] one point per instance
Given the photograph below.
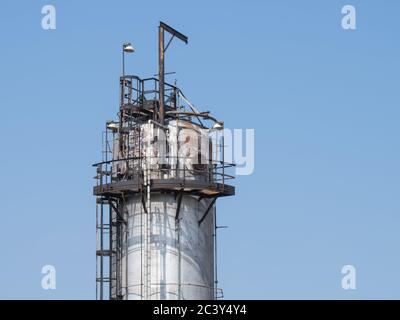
(144, 203)
(207, 210)
(178, 204)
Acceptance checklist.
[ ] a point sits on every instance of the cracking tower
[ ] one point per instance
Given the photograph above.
(161, 173)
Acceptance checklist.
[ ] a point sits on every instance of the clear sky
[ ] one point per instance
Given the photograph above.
(324, 103)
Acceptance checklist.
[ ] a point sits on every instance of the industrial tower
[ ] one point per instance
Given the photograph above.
(161, 173)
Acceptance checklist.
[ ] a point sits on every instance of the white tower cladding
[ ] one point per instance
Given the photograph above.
(162, 171)
(181, 261)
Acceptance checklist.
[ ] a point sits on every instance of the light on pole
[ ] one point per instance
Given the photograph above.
(128, 48)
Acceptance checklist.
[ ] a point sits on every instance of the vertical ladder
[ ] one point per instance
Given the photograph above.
(147, 235)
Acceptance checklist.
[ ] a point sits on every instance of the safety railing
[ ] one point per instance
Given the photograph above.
(133, 168)
(135, 90)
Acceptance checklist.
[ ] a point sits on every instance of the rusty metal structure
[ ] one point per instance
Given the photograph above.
(162, 171)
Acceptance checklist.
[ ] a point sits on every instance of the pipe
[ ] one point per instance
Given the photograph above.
(158, 124)
(161, 73)
(203, 115)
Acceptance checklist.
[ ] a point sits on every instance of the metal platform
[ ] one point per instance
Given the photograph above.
(202, 189)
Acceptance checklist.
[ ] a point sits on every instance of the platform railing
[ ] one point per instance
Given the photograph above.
(135, 90)
(132, 169)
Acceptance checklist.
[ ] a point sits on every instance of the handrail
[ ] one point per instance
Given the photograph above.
(214, 171)
(226, 164)
(140, 90)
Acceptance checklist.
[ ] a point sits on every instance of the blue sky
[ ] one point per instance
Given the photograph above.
(324, 103)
